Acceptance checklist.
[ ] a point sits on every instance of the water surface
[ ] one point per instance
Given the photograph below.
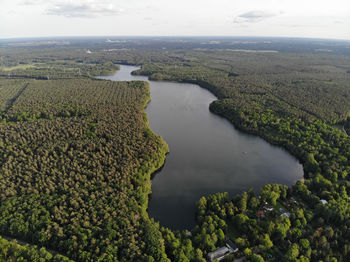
(207, 153)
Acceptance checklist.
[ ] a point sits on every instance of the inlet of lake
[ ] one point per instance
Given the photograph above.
(207, 153)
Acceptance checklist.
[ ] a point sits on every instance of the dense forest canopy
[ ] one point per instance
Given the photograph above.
(76, 153)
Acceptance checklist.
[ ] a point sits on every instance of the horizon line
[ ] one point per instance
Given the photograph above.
(170, 36)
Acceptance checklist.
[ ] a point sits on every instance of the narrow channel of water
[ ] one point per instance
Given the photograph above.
(207, 153)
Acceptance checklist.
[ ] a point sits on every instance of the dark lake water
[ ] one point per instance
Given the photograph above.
(207, 153)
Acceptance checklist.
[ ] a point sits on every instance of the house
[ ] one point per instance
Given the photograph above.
(221, 252)
(268, 208)
(285, 214)
(286, 204)
(218, 254)
(294, 201)
(323, 201)
(231, 246)
(260, 214)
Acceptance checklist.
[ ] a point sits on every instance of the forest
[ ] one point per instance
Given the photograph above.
(76, 153)
(12, 251)
(76, 160)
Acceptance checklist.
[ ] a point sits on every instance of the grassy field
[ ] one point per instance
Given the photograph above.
(18, 67)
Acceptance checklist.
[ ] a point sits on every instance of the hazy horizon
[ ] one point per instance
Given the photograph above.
(129, 37)
(155, 18)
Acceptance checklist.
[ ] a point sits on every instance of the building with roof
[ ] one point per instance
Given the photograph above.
(218, 254)
(323, 201)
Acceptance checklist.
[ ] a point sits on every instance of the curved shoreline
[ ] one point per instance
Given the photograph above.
(156, 164)
(212, 89)
(263, 152)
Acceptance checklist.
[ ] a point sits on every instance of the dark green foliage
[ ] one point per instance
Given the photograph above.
(76, 155)
(58, 69)
(303, 86)
(11, 252)
(9, 90)
(79, 182)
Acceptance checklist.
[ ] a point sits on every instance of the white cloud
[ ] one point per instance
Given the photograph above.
(76, 8)
(84, 9)
(29, 2)
(311, 18)
(255, 16)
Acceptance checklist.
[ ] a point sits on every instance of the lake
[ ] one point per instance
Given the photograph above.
(207, 153)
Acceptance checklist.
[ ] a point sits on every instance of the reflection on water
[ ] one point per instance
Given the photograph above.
(207, 154)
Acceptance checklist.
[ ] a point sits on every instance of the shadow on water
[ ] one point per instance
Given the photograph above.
(154, 174)
(159, 170)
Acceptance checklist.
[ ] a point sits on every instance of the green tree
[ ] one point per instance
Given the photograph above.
(292, 253)
(266, 243)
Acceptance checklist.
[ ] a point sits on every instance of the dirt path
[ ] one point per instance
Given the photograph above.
(24, 243)
(13, 100)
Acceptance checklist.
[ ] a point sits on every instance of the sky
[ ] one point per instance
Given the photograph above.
(285, 18)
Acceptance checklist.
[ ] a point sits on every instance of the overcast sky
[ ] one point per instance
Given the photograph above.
(295, 18)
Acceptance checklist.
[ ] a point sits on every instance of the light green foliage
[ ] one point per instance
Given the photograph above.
(58, 69)
(254, 202)
(11, 251)
(269, 194)
(266, 243)
(9, 89)
(243, 202)
(247, 252)
(282, 226)
(241, 219)
(292, 253)
(304, 243)
(76, 154)
(63, 98)
(79, 182)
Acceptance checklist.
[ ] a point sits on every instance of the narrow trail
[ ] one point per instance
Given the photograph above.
(24, 243)
(13, 100)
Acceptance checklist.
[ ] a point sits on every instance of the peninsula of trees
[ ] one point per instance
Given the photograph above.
(76, 153)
